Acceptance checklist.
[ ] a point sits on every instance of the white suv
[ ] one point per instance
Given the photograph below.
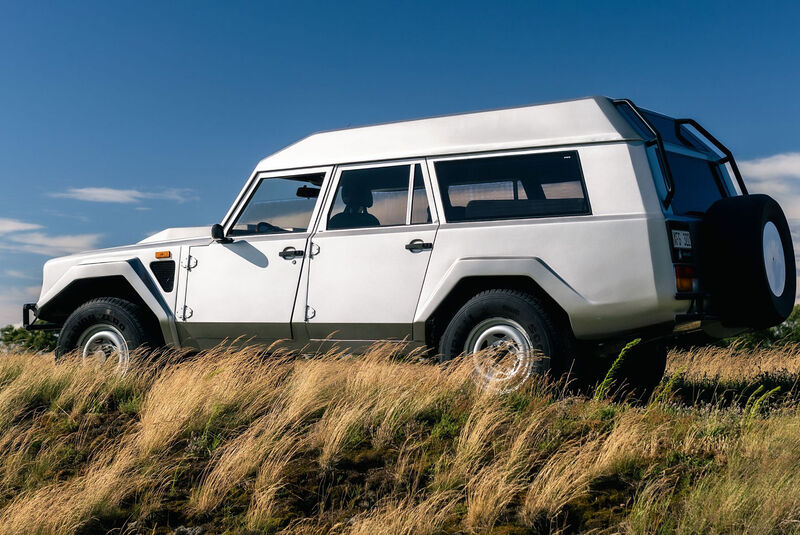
(551, 233)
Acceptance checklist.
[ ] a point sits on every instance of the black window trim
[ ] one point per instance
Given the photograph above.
(518, 152)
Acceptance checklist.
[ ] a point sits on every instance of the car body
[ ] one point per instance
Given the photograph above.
(592, 207)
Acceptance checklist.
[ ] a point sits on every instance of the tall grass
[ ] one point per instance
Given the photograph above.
(259, 440)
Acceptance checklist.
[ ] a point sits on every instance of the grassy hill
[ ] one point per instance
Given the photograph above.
(229, 442)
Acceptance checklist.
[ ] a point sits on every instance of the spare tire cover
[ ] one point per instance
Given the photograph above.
(748, 261)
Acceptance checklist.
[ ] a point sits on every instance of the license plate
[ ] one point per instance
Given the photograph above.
(681, 239)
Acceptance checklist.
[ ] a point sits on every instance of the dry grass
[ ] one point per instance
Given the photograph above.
(246, 441)
(734, 364)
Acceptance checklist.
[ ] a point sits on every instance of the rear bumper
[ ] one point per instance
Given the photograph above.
(31, 325)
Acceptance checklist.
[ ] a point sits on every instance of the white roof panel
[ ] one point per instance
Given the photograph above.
(586, 120)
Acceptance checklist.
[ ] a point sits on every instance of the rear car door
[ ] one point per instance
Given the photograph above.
(247, 287)
(371, 252)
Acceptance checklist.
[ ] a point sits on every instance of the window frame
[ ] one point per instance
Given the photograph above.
(242, 202)
(432, 161)
(325, 212)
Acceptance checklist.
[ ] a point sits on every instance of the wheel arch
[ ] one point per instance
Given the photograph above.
(126, 280)
(470, 276)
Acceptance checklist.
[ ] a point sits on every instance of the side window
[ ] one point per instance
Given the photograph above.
(509, 187)
(280, 205)
(461, 194)
(375, 197)
(420, 211)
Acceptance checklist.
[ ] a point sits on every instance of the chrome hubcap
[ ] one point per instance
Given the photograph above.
(100, 343)
(774, 260)
(503, 354)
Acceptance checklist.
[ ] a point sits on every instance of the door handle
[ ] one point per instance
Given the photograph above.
(416, 246)
(290, 252)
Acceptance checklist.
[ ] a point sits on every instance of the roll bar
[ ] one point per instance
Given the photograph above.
(728, 158)
(660, 152)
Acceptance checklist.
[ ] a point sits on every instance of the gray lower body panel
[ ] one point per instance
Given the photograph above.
(358, 331)
(355, 337)
(202, 335)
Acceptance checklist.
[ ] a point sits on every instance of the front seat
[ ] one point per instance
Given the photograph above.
(357, 198)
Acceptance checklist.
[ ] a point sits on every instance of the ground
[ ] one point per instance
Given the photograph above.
(230, 442)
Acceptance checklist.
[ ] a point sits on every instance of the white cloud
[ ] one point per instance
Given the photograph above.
(11, 301)
(44, 244)
(17, 237)
(776, 166)
(777, 176)
(14, 225)
(17, 274)
(57, 213)
(126, 196)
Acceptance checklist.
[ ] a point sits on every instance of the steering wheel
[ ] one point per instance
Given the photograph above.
(263, 228)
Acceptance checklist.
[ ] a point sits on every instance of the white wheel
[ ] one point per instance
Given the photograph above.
(774, 260)
(503, 354)
(102, 342)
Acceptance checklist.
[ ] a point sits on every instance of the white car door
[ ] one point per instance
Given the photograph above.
(371, 252)
(247, 287)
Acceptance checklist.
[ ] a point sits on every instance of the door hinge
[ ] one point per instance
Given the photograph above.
(314, 249)
(186, 313)
(189, 263)
(310, 313)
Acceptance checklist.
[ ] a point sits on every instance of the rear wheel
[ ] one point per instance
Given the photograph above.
(508, 335)
(103, 329)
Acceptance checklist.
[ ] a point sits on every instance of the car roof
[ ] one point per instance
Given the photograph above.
(569, 122)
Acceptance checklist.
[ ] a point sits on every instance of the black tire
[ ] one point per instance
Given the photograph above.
(545, 335)
(734, 264)
(124, 316)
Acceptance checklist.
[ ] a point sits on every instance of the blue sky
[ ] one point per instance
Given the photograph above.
(118, 119)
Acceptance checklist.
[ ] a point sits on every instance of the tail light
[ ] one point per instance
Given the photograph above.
(686, 279)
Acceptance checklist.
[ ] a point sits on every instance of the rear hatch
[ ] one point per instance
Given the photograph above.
(692, 170)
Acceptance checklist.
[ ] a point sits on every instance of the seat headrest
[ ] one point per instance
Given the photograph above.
(354, 193)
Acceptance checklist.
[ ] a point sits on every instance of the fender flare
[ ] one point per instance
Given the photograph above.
(134, 272)
(534, 268)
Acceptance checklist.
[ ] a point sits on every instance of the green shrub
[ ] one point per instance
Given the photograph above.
(22, 339)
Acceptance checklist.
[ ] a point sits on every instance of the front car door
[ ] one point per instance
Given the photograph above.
(371, 252)
(247, 288)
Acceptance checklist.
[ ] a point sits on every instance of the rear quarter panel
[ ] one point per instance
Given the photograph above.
(611, 271)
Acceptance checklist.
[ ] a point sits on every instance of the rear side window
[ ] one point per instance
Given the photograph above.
(510, 187)
(420, 211)
(380, 197)
(375, 197)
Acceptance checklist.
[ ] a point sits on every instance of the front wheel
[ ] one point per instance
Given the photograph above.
(509, 337)
(103, 329)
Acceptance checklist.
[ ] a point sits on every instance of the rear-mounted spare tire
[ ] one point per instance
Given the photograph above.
(748, 261)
